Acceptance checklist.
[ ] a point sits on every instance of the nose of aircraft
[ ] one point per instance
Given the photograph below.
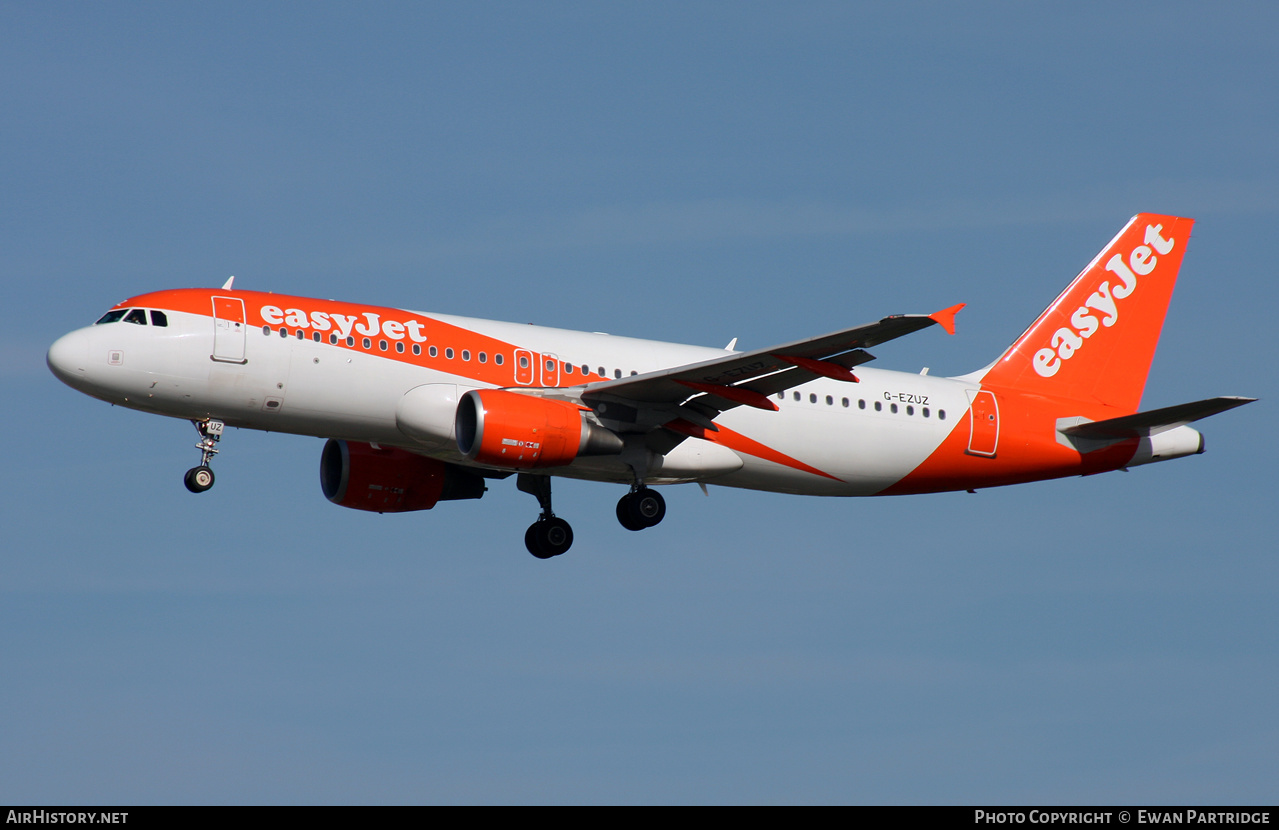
(68, 357)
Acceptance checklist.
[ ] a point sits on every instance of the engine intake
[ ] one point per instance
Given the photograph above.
(507, 429)
(390, 480)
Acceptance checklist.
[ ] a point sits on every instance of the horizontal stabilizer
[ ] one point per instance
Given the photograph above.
(1145, 424)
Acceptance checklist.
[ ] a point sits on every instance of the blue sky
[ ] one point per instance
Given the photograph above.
(687, 172)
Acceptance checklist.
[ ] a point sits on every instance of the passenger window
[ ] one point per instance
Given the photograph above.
(484, 358)
(925, 412)
(111, 317)
(498, 359)
(796, 395)
(879, 407)
(367, 343)
(284, 332)
(617, 373)
(350, 341)
(449, 352)
(830, 401)
(812, 398)
(466, 354)
(301, 334)
(137, 316)
(602, 372)
(315, 335)
(941, 414)
(910, 410)
(158, 318)
(266, 330)
(333, 339)
(382, 344)
(568, 368)
(399, 347)
(586, 370)
(893, 408)
(417, 349)
(523, 361)
(845, 402)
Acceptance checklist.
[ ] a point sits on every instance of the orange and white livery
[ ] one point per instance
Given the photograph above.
(422, 408)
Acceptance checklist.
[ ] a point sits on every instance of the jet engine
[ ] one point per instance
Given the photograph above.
(507, 429)
(389, 480)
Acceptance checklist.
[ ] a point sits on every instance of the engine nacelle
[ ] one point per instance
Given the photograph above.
(389, 480)
(507, 429)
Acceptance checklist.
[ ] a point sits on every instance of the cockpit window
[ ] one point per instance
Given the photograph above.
(111, 316)
(137, 315)
(158, 318)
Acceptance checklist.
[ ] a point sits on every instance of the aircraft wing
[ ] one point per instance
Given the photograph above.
(748, 378)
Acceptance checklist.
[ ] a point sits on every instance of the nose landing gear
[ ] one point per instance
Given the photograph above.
(198, 479)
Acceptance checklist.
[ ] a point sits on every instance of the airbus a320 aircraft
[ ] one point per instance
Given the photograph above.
(421, 408)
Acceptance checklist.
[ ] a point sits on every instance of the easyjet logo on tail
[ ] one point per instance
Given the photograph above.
(1101, 308)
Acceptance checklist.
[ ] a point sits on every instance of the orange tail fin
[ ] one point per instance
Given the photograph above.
(1096, 341)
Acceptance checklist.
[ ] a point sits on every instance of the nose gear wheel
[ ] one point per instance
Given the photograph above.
(198, 479)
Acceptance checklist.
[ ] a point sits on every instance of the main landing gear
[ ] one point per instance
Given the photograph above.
(199, 479)
(549, 536)
(641, 508)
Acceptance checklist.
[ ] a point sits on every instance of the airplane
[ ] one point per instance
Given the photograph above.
(421, 408)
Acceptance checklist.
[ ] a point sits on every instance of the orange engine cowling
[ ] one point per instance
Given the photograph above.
(507, 429)
(389, 480)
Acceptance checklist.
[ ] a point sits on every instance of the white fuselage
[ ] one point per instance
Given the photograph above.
(862, 437)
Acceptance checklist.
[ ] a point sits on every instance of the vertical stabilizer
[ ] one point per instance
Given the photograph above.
(1096, 341)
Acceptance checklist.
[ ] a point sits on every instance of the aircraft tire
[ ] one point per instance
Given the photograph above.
(546, 538)
(198, 479)
(649, 507)
(626, 514)
(530, 542)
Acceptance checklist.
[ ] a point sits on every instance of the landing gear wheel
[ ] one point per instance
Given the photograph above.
(649, 507)
(530, 542)
(198, 479)
(640, 509)
(548, 537)
(625, 516)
